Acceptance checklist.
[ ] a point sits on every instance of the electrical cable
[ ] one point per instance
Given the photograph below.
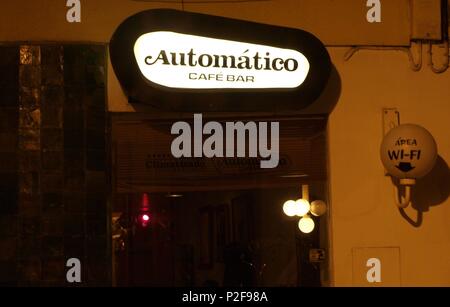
(444, 67)
(414, 66)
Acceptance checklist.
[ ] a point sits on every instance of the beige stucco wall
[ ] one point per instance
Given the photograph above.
(335, 22)
(363, 209)
(363, 213)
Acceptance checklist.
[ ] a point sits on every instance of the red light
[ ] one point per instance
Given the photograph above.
(143, 217)
(145, 202)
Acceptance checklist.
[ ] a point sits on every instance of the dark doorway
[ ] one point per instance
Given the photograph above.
(214, 223)
(224, 238)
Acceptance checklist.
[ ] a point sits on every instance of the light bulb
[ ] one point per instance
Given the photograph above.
(290, 208)
(318, 207)
(302, 207)
(306, 224)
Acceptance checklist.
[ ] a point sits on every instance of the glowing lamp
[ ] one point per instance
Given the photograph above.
(290, 208)
(318, 208)
(306, 224)
(302, 207)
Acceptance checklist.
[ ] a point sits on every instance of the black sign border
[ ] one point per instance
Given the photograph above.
(140, 90)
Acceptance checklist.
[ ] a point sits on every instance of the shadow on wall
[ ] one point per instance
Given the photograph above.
(330, 96)
(431, 190)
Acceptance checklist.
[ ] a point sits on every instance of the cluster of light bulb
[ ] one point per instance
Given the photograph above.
(301, 207)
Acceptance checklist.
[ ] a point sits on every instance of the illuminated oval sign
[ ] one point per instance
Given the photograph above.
(166, 59)
(193, 62)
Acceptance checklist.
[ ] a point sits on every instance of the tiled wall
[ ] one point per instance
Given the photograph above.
(53, 164)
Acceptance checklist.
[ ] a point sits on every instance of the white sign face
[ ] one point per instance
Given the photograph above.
(185, 61)
(408, 151)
